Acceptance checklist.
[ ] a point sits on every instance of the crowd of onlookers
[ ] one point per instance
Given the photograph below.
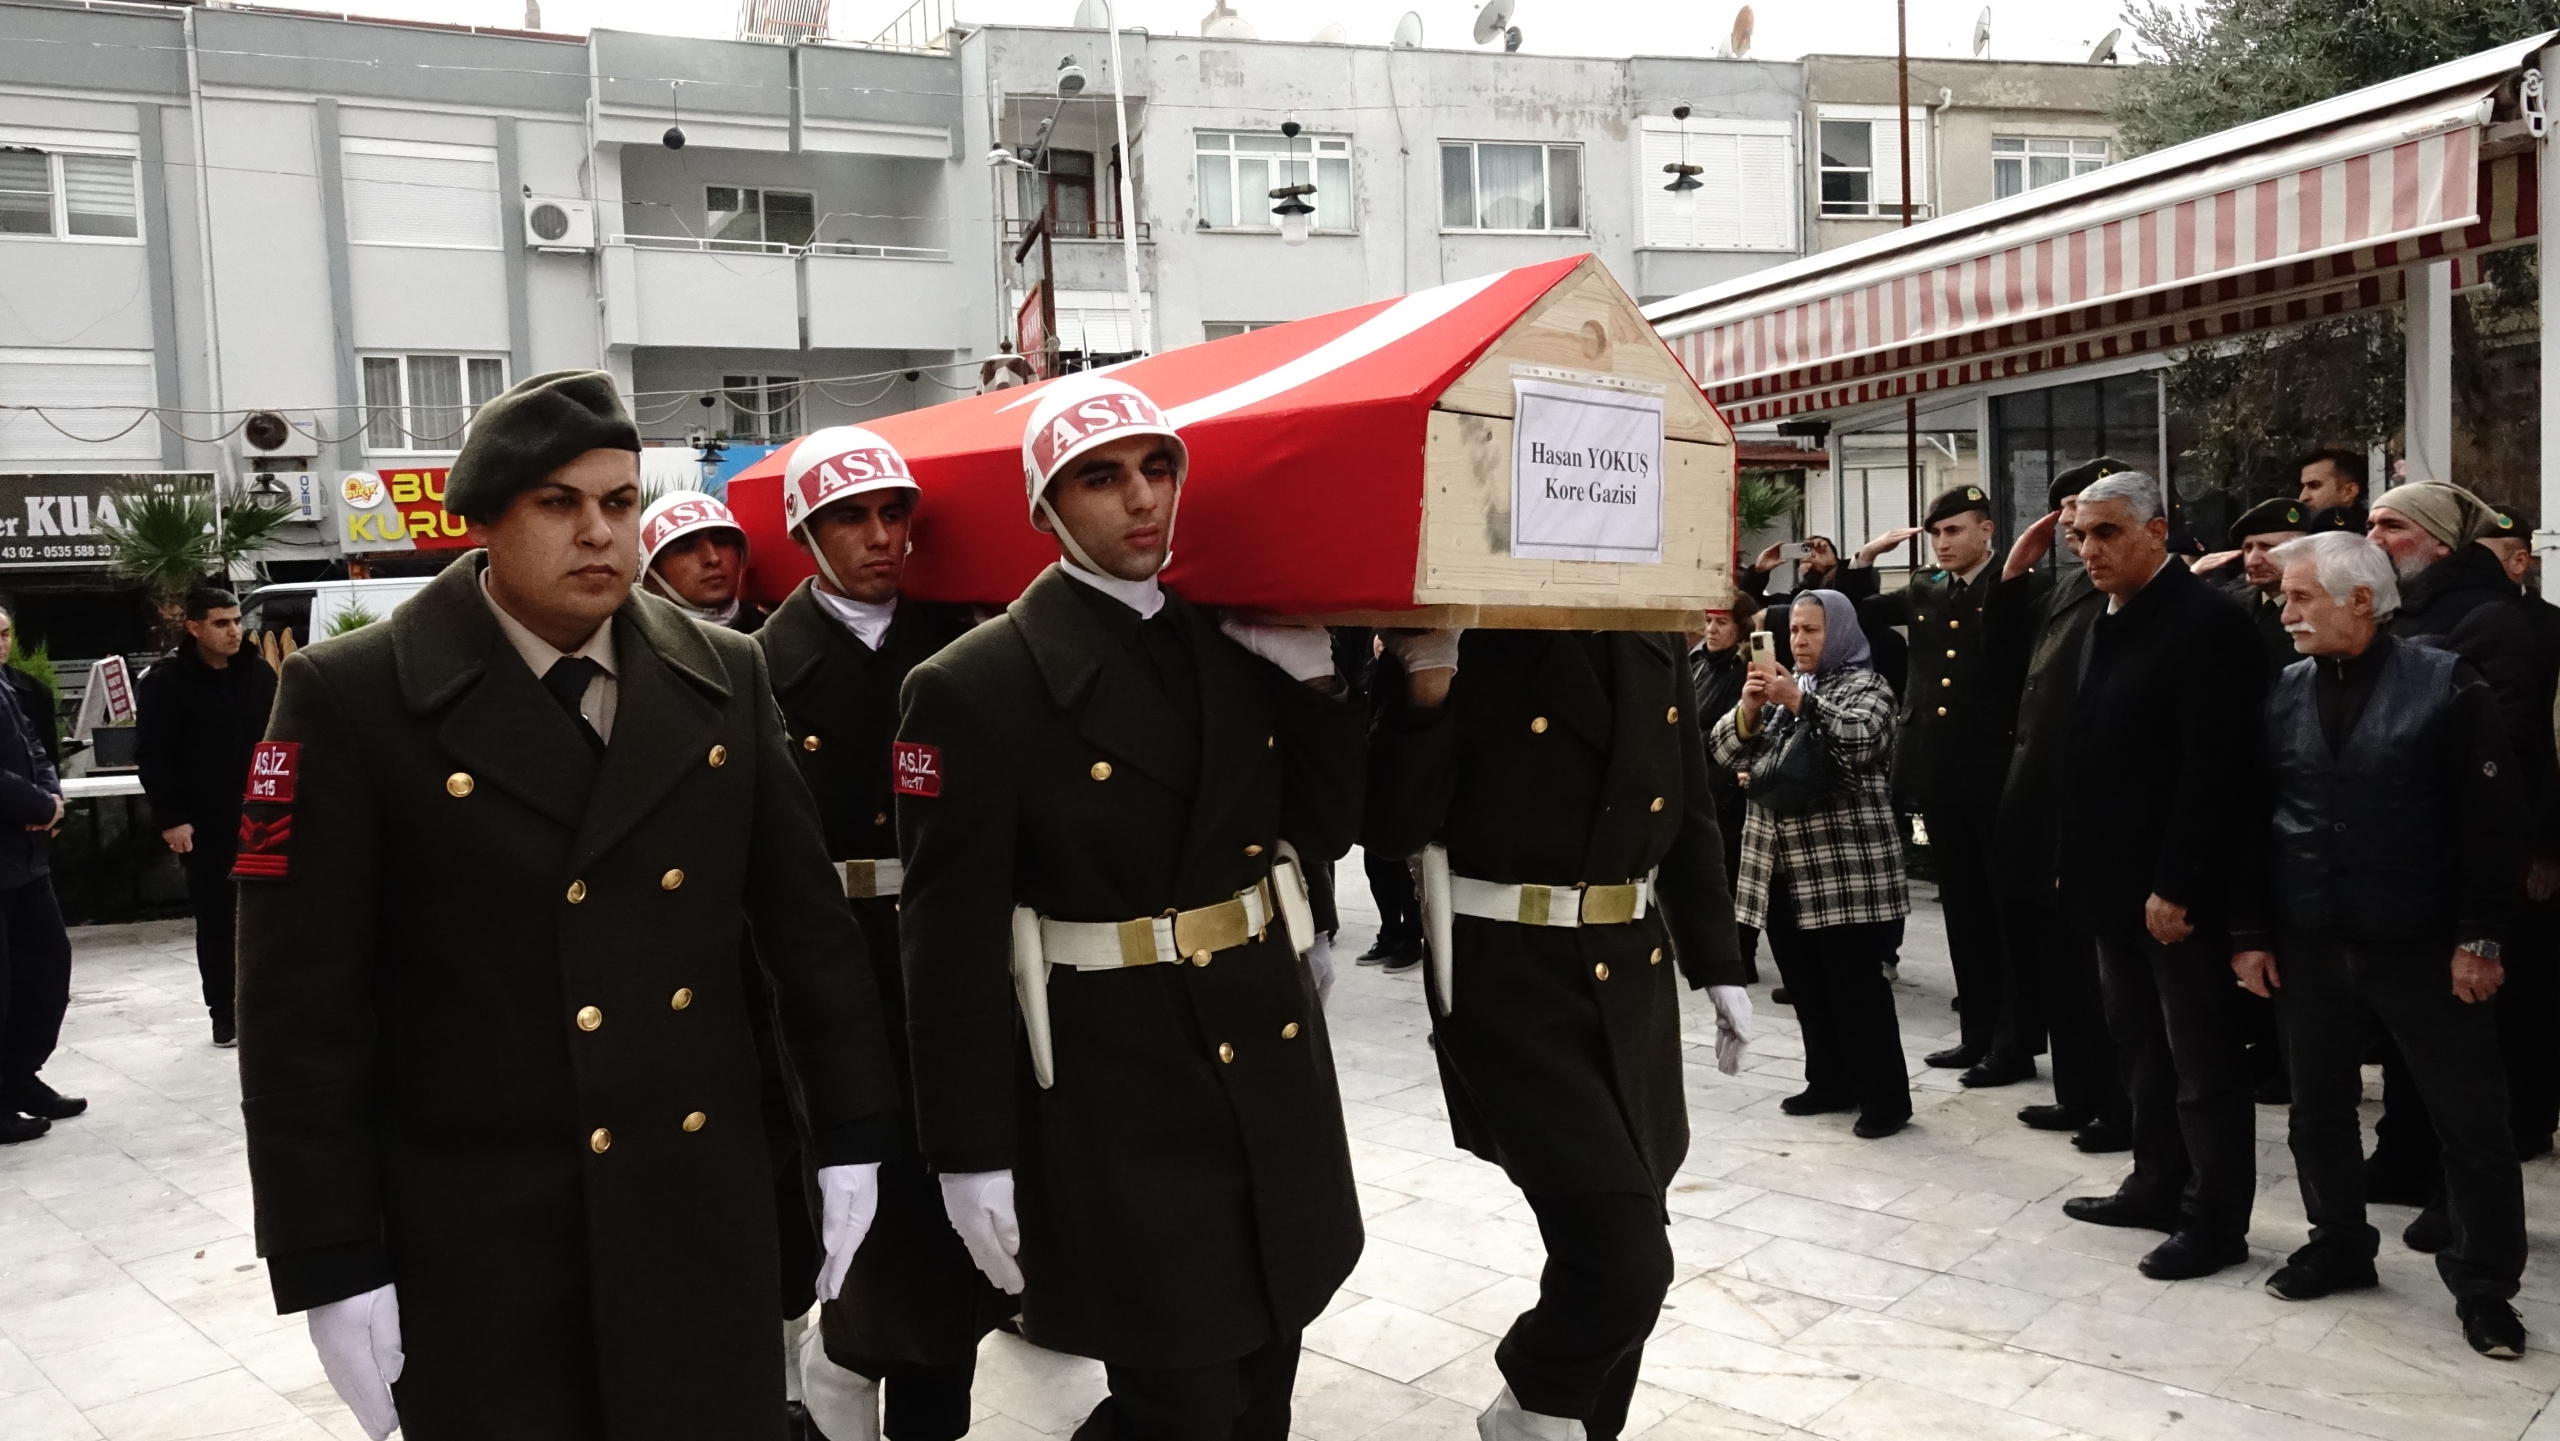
(2327, 839)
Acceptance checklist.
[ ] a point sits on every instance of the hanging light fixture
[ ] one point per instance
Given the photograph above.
(1684, 176)
(1297, 217)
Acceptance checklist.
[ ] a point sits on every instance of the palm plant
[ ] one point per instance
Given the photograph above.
(169, 538)
(1764, 500)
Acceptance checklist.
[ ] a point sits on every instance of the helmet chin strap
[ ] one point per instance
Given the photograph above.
(1075, 552)
(660, 589)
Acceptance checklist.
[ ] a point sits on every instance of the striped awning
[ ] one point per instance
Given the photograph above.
(2145, 257)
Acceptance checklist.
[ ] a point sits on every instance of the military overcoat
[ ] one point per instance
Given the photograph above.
(1958, 701)
(913, 1295)
(494, 1036)
(2040, 636)
(1563, 758)
(1185, 1187)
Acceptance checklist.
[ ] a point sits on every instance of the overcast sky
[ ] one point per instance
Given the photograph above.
(2043, 30)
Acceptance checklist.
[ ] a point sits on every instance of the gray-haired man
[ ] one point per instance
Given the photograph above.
(2396, 843)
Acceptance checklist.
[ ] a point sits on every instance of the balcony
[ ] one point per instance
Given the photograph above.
(834, 294)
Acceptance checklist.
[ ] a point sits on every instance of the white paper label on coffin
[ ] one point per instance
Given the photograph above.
(1586, 473)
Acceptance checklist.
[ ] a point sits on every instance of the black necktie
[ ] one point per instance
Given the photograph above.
(567, 681)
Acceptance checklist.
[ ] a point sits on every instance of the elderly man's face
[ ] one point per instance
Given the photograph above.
(2121, 553)
(2319, 622)
(2324, 485)
(2259, 566)
(2410, 547)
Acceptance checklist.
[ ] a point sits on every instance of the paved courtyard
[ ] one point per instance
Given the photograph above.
(1924, 1286)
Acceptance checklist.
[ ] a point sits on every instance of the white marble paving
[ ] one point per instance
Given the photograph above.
(1921, 1287)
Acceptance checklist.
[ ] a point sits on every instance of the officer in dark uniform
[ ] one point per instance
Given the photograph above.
(1103, 805)
(2038, 634)
(693, 555)
(496, 1063)
(913, 1308)
(1556, 793)
(2255, 535)
(1953, 752)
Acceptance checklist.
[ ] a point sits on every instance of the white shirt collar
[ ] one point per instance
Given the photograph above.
(539, 653)
(1146, 597)
(2116, 603)
(868, 622)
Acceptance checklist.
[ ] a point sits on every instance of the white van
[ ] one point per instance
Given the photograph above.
(307, 611)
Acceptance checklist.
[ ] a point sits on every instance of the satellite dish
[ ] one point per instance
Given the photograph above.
(1511, 41)
(1408, 32)
(2105, 53)
(1982, 33)
(1332, 34)
(1493, 20)
(1738, 44)
(1092, 15)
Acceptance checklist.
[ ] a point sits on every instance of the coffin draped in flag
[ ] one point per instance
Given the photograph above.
(1519, 449)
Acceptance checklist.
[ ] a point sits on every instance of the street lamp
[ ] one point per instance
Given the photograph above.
(1296, 215)
(1138, 325)
(1684, 176)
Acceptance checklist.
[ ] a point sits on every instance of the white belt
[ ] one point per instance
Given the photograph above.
(1535, 905)
(864, 880)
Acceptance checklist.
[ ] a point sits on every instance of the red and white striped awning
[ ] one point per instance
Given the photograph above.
(2316, 221)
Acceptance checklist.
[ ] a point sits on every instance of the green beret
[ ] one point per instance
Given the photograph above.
(2505, 521)
(535, 428)
(2349, 518)
(2079, 478)
(1956, 502)
(2270, 517)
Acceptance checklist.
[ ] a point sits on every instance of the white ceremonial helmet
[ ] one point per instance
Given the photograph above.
(681, 513)
(1073, 416)
(831, 465)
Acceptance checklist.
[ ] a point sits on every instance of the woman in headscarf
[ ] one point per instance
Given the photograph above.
(1824, 881)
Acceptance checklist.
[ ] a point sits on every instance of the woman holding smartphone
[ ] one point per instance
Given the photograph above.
(1821, 871)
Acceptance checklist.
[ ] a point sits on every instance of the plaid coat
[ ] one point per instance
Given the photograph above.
(1843, 858)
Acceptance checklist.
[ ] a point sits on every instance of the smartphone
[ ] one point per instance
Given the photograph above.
(1764, 648)
(1794, 550)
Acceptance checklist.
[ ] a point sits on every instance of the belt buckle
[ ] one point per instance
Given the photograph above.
(1608, 905)
(1536, 901)
(1198, 934)
(861, 879)
(1138, 941)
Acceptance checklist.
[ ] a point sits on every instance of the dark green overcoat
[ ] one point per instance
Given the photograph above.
(1564, 757)
(1181, 1204)
(1959, 698)
(495, 1042)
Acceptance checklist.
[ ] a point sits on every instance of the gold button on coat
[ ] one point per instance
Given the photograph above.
(1253, 850)
(719, 757)
(1946, 680)
(1226, 1053)
(1942, 710)
(1671, 716)
(1199, 958)
(577, 892)
(1600, 972)
(670, 880)
(881, 819)
(681, 999)
(600, 1140)
(589, 1018)
(693, 1120)
(1657, 804)
(1954, 624)
(459, 784)
(1951, 655)
(1537, 725)
(1657, 955)
(1270, 742)
(1289, 1032)
(808, 743)
(1101, 770)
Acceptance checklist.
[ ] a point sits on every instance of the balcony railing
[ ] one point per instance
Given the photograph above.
(1015, 227)
(860, 250)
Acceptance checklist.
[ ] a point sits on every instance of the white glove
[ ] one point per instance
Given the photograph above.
(980, 1205)
(848, 1197)
(359, 1344)
(1304, 651)
(1418, 650)
(1733, 1025)
(1320, 961)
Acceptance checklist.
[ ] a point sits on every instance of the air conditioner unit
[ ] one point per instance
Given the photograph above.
(268, 435)
(559, 223)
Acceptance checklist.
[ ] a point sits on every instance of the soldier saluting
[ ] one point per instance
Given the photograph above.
(496, 1069)
(1555, 786)
(913, 1307)
(1093, 792)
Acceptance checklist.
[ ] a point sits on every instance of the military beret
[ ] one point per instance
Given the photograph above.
(533, 429)
(2079, 478)
(2349, 518)
(2506, 522)
(1956, 502)
(2268, 516)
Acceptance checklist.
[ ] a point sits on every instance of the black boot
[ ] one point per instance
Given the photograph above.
(15, 1128)
(2323, 1268)
(36, 1098)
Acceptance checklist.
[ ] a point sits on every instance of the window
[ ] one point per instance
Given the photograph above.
(762, 407)
(1486, 186)
(1746, 196)
(421, 403)
(1221, 329)
(1065, 191)
(1858, 160)
(2020, 163)
(404, 192)
(73, 379)
(1240, 169)
(67, 196)
(739, 218)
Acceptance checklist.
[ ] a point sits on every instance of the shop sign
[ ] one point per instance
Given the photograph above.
(400, 509)
(55, 519)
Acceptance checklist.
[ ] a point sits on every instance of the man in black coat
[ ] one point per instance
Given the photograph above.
(35, 702)
(2163, 743)
(1103, 803)
(1555, 786)
(1821, 569)
(2334, 478)
(2259, 587)
(35, 951)
(2393, 848)
(904, 1330)
(1950, 758)
(693, 555)
(201, 710)
(2529, 1003)
(497, 1065)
